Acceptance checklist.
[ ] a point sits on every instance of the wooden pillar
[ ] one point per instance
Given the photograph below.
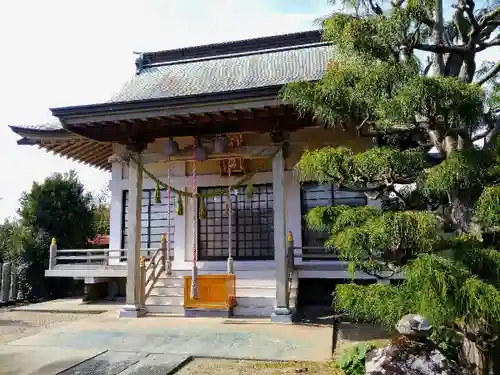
(282, 313)
(133, 306)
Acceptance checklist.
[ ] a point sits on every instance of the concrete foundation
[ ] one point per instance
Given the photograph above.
(283, 315)
(208, 313)
(95, 292)
(132, 312)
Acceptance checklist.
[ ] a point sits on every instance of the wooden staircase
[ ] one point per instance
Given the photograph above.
(163, 287)
(255, 293)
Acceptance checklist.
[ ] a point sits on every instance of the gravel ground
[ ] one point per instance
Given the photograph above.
(246, 367)
(17, 324)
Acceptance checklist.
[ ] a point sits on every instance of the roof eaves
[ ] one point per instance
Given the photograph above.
(31, 134)
(160, 103)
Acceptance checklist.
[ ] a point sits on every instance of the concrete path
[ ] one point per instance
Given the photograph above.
(70, 305)
(155, 343)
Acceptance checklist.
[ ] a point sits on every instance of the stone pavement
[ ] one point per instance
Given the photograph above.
(155, 344)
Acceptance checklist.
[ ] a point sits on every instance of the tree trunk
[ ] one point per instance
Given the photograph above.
(494, 357)
(473, 358)
(461, 212)
(438, 38)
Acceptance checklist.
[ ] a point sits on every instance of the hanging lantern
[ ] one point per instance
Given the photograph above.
(171, 147)
(200, 153)
(220, 144)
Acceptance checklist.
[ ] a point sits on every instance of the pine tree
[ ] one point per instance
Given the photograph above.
(405, 74)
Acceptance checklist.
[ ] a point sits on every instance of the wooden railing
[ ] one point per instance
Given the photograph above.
(95, 258)
(297, 253)
(158, 263)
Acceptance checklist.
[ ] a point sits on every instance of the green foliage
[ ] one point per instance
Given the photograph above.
(444, 291)
(339, 165)
(460, 171)
(375, 85)
(487, 208)
(12, 239)
(336, 218)
(363, 233)
(375, 303)
(452, 103)
(61, 208)
(100, 209)
(352, 359)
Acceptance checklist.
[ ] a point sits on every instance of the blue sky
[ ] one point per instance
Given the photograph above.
(63, 52)
(68, 52)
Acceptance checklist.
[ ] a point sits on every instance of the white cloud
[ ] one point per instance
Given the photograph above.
(63, 52)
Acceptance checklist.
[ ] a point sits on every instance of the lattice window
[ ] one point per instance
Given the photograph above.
(153, 219)
(314, 195)
(252, 225)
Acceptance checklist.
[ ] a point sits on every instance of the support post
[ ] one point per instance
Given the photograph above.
(142, 297)
(194, 271)
(165, 249)
(132, 306)
(290, 252)
(21, 280)
(52, 254)
(282, 313)
(5, 282)
(230, 260)
(1, 282)
(13, 283)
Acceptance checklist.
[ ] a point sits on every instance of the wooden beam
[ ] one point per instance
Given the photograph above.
(104, 153)
(77, 150)
(65, 146)
(166, 128)
(91, 150)
(246, 152)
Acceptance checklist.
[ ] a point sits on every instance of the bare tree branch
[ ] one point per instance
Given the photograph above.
(485, 45)
(375, 8)
(438, 35)
(489, 17)
(492, 73)
(426, 20)
(427, 67)
(439, 48)
(469, 9)
(488, 139)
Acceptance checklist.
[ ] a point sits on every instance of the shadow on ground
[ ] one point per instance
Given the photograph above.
(16, 323)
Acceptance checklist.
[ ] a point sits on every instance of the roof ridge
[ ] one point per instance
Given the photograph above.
(241, 54)
(219, 50)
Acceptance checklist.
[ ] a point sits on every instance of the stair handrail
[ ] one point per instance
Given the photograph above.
(157, 265)
(290, 262)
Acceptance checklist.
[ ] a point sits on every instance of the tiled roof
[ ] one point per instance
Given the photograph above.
(228, 71)
(221, 68)
(51, 126)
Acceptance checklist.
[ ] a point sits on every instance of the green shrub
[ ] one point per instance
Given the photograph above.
(352, 359)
